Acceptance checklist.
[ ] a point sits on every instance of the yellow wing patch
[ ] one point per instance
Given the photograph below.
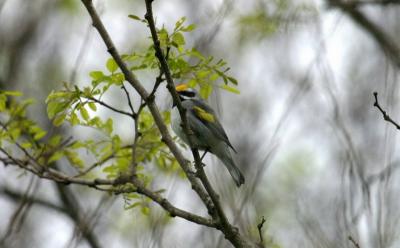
(202, 114)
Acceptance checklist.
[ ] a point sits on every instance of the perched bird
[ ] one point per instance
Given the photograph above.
(208, 133)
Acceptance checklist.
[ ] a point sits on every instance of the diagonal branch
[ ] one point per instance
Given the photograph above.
(16, 196)
(171, 87)
(388, 46)
(231, 232)
(132, 115)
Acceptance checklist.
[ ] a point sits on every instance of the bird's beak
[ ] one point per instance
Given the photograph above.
(181, 87)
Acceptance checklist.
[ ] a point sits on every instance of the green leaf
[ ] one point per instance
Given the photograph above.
(55, 156)
(39, 135)
(77, 145)
(84, 113)
(203, 73)
(96, 75)
(145, 210)
(205, 91)
(87, 91)
(111, 65)
(54, 108)
(135, 17)
(178, 39)
(133, 205)
(189, 28)
(59, 120)
(230, 89)
(12, 93)
(163, 37)
(15, 133)
(74, 120)
(179, 23)
(109, 126)
(73, 158)
(58, 94)
(106, 151)
(214, 77)
(110, 169)
(26, 145)
(3, 100)
(92, 106)
(55, 140)
(118, 78)
(192, 83)
(232, 80)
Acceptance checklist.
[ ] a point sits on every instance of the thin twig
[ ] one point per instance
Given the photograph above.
(136, 138)
(15, 196)
(354, 242)
(259, 227)
(132, 115)
(158, 82)
(129, 99)
(386, 117)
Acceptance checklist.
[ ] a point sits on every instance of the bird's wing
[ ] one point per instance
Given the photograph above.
(207, 116)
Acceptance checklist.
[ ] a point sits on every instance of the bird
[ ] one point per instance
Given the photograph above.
(208, 133)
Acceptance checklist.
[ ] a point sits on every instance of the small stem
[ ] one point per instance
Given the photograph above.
(259, 227)
(386, 117)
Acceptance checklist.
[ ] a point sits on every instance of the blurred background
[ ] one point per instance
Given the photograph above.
(319, 160)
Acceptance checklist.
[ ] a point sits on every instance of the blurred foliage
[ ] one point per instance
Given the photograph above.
(69, 5)
(268, 17)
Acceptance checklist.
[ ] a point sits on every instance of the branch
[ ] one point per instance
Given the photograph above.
(15, 196)
(129, 99)
(136, 138)
(373, 2)
(384, 41)
(98, 163)
(231, 232)
(259, 227)
(171, 87)
(351, 239)
(164, 203)
(134, 82)
(386, 117)
(132, 115)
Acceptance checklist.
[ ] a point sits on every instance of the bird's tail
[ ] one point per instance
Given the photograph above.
(225, 156)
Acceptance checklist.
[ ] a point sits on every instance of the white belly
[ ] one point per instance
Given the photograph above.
(176, 124)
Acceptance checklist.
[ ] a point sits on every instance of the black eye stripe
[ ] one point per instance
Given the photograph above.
(187, 93)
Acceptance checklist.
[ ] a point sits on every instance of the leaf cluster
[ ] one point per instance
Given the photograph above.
(111, 153)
